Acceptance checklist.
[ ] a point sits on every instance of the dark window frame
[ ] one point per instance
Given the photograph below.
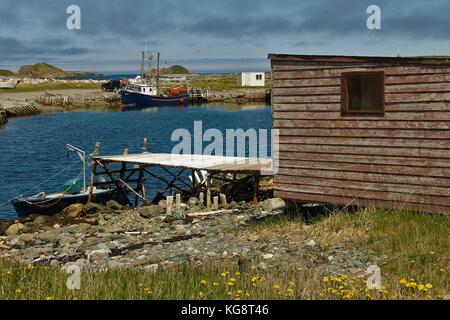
(345, 111)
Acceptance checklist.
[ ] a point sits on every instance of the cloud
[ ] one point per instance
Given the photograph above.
(14, 48)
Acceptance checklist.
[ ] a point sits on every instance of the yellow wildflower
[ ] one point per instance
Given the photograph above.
(230, 283)
(18, 290)
(277, 286)
(203, 282)
(429, 286)
(49, 298)
(326, 279)
(403, 281)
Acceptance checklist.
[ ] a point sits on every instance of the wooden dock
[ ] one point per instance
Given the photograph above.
(128, 172)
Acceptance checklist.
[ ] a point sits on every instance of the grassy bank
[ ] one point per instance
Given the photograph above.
(52, 86)
(415, 265)
(228, 82)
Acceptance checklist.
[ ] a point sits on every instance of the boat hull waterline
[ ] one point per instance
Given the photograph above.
(131, 100)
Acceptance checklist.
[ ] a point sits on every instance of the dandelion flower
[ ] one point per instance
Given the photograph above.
(49, 298)
(277, 286)
(203, 282)
(230, 283)
(18, 290)
(403, 281)
(429, 286)
(326, 279)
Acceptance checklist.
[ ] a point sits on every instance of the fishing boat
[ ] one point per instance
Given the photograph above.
(7, 84)
(145, 92)
(74, 192)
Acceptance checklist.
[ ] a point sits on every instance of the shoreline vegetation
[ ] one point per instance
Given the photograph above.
(412, 250)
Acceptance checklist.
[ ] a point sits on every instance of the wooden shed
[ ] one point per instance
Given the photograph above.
(369, 131)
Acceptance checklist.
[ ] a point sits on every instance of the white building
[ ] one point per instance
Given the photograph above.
(253, 79)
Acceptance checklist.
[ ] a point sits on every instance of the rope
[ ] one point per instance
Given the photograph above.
(3, 204)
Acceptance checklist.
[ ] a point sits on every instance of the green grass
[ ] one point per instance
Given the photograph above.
(416, 247)
(220, 83)
(51, 86)
(6, 73)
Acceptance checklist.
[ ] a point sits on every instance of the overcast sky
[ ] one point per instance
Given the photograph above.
(228, 35)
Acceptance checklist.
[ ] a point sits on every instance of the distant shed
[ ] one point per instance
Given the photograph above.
(368, 131)
(252, 79)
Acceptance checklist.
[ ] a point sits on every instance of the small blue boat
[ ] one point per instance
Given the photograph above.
(75, 191)
(51, 204)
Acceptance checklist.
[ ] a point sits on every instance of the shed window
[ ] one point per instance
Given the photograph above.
(259, 77)
(363, 93)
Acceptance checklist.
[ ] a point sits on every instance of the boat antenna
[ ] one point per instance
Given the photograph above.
(82, 155)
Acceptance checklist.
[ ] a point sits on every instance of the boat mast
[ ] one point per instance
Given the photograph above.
(82, 155)
(157, 75)
(142, 64)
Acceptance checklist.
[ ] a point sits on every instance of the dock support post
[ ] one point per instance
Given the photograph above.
(216, 203)
(208, 199)
(178, 201)
(169, 204)
(91, 187)
(223, 200)
(255, 188)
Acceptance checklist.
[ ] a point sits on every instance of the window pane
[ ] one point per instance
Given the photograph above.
(365, 92)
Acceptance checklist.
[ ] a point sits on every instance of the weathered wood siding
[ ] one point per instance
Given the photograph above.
(399, 159)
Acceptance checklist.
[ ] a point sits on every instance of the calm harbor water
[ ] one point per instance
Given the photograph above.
(32, 149)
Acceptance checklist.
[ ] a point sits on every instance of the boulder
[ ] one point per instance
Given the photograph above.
(73, 211)
(163, 204)
(84, 226)
(193, 202)
(15, 229)
(28, 238)
(49, 235)
(94, 208)
(274, 204)
(40, 220)
(151, 211)
(114, 205)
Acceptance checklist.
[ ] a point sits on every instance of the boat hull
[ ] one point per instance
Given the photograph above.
(51, 206)
(133, 100)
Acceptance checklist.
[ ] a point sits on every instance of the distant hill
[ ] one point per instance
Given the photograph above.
(176, 69)
(45, 70)
(41, 70)
(6, 73)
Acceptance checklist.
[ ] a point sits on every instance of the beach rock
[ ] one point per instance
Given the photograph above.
(114, 205)
(311, 243)
(113, 229)
(234, 205)
(85, 226)
(151, 211)
(40, 220)
(15, 229)
(99, 255)
(193, 202)
(274, 204)
(67, 241)
(73, 211)
(16, 243)
(94, 208)
(54, 263)
(163, 204)
(28, 238)
(49, 235)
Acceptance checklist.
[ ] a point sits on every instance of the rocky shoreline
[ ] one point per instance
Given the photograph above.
(112, 236)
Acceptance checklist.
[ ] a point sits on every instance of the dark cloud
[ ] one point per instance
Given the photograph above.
(38, 27)
(13, 48)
